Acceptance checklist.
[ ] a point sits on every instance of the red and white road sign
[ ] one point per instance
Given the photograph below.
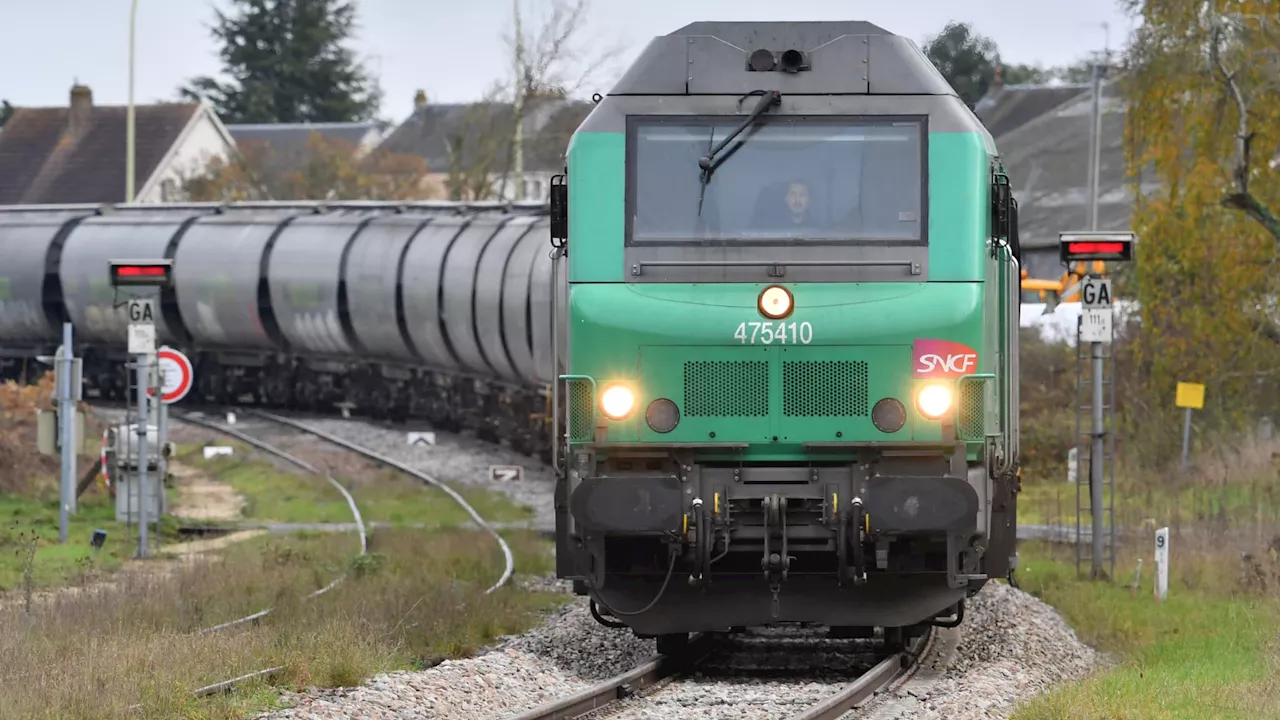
(178, 375)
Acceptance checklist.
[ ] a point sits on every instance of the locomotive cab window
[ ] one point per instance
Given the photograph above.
(783, 180)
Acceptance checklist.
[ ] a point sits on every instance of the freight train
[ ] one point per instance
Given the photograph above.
(765, 330)
(432, 310)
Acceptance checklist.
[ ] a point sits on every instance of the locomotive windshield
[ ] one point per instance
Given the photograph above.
(790, 179)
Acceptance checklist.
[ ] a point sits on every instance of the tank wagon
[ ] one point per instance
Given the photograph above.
(791, 350)
(435, 310)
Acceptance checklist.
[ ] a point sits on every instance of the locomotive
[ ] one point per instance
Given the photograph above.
(793, 306)
(765, 330)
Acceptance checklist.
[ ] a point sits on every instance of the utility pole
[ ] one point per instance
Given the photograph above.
(130, 128)
(67, 394)
(1096, 503)
(517, 163)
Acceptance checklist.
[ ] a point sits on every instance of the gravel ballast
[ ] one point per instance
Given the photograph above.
(1011, 647)
(458, 460)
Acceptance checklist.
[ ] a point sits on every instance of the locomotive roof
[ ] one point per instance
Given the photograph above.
(802, 35)
(840, 58)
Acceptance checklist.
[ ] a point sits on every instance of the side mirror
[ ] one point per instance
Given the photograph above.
(559, 192)
(1001, 198)
(1015, 244)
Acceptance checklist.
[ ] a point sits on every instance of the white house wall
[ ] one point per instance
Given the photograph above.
(194, 150)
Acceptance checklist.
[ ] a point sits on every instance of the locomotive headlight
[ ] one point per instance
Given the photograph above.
(775, 302)
(617, 402)
(934, 401)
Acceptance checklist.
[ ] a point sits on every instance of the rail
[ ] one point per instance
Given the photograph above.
(266, 447)
(430, 480)
(898, 666)
(607, 692)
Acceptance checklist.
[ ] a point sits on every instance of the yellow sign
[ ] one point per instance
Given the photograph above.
(1190, 395)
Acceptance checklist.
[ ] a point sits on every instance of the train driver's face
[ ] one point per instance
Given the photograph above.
(798, 198)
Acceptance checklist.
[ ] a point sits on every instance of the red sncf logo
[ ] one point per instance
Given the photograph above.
(943, 358)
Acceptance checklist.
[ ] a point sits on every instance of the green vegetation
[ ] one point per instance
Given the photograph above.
(29, 546)
(276, 495)
(1209, 651)
(417, 598)
(1243, 504)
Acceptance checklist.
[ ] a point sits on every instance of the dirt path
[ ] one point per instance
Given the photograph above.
(201, 497)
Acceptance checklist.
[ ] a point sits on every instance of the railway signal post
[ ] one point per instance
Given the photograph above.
(1095, 328)
(153, 274)
(63, 430)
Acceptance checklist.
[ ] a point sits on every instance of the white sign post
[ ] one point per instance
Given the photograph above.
(506, 473)
(1096, 311)
(426, 439)
(142, 326)
(1162, 563)
(1073, 465)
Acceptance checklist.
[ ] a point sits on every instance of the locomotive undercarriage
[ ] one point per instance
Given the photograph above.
(668, 546)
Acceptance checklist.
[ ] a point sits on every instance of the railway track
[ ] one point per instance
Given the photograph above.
(628, 694)
(197, 419)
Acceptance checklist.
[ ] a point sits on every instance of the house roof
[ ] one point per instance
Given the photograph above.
(289, 137)
(282, 148)
(43, 160)
(548, 125)
(1009, 107)
(1047, 159)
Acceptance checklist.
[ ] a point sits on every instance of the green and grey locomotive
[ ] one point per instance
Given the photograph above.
(789, 350)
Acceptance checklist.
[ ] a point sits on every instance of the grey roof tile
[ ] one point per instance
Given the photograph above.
(42, 162)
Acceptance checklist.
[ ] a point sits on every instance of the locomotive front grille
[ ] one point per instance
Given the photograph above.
(824, 388)
(971, 414)
(582, 414)
(726, 388)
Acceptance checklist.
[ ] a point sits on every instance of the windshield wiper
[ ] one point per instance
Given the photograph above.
(709, 162)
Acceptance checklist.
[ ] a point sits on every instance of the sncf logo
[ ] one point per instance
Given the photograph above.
(943, 358)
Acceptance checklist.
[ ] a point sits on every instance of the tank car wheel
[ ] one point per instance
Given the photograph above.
(673, 644)
(894, 639)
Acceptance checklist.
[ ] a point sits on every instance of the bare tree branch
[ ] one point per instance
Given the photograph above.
(1242, 199)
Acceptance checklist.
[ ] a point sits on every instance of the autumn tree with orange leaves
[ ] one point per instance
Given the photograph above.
(328, 169)
(1203, 95)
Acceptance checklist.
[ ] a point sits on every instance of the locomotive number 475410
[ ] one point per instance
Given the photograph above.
(770, 332)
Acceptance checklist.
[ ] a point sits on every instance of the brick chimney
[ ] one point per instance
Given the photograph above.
(419, 100)
(81, 110)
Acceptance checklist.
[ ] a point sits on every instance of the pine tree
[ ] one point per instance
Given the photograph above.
(6, 111)
(965, 58)
(287, 62)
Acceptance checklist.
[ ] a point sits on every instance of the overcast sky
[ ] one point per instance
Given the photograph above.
(452, 49)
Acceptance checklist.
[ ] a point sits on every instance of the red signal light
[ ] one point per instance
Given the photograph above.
(1096, 246)
(146, 273)
(1093, 248)
(140, 271)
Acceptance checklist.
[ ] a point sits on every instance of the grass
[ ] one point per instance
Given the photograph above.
(276, 495)
(418, 598)
(28, 524)
(1245, 503)
(1212, 648)
(1209, 651)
